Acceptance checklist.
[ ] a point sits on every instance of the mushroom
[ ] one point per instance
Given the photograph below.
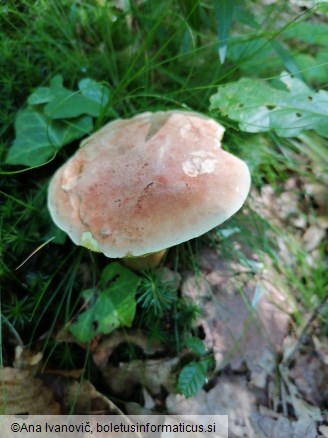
(141, 185)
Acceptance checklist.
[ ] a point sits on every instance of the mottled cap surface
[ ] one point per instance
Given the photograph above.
(147, 183)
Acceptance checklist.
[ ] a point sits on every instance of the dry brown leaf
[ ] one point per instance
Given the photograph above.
(323, 430)
(149, 404)
(237, 332)
(321, 349)
(301, 210)
(313, 237)
(83, 397)
(318, 191)
(269, 424)
(196, 288)
(209, 261)
(280, 209)
(133, 408)
(26, 359)
(21, 392)
(247, 416)
(230, 396)
(301, 407)
(310, 374)
(151, 374)
(105, 348)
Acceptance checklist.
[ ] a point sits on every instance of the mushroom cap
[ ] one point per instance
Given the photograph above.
(147, 183)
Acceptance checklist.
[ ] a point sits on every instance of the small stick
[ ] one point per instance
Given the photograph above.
(34, 252)
(313, 316)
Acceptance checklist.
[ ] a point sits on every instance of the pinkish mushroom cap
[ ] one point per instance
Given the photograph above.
(147, 183)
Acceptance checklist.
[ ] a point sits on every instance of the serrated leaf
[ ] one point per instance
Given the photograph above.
(191, 379)
(94, 91)
(259, 107)
(196, 346)
(38, 139)
(114, 306)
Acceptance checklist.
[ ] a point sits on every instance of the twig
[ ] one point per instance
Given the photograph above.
(313, 316)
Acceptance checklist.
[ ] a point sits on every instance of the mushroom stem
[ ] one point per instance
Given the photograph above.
(144, 262)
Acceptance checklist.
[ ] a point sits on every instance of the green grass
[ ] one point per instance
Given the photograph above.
(152, 55)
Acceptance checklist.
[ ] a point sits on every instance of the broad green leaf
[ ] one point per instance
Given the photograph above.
(66, 104)
(65, 131)
(287, 59)
(39, 96)
(313, 66)
(311, 33)
(74, 105)
(56, 85)
(246, 54)
(102, 317)
(38, 139)
(63, 103)
(122, 283)
(114, 305)
(224, 11)
(259, 107)
(83, 329)
(55, 117)
(94, 91)
(196, 346)
(191, 379)
(45, 94)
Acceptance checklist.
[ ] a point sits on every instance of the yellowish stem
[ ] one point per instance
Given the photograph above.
(147, 261)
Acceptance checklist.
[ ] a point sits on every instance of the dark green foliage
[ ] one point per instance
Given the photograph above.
(194, 375)
(111, 306)
(156, 294)
(191, 379)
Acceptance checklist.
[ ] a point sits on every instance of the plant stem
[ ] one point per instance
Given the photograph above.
(148, 261)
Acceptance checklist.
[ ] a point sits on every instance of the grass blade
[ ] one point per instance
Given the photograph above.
(223, 10)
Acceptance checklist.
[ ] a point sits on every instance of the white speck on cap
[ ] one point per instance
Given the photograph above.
(200, 162)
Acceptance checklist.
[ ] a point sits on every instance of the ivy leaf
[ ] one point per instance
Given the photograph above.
(38, 138)
(102, 317)
(74, 105)
(114, 306)
(46, 94)
(122, 283)
(94, 91)
(260, 107)
(191, 379)
(54, 117)
(62, 103)
(39, 96)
